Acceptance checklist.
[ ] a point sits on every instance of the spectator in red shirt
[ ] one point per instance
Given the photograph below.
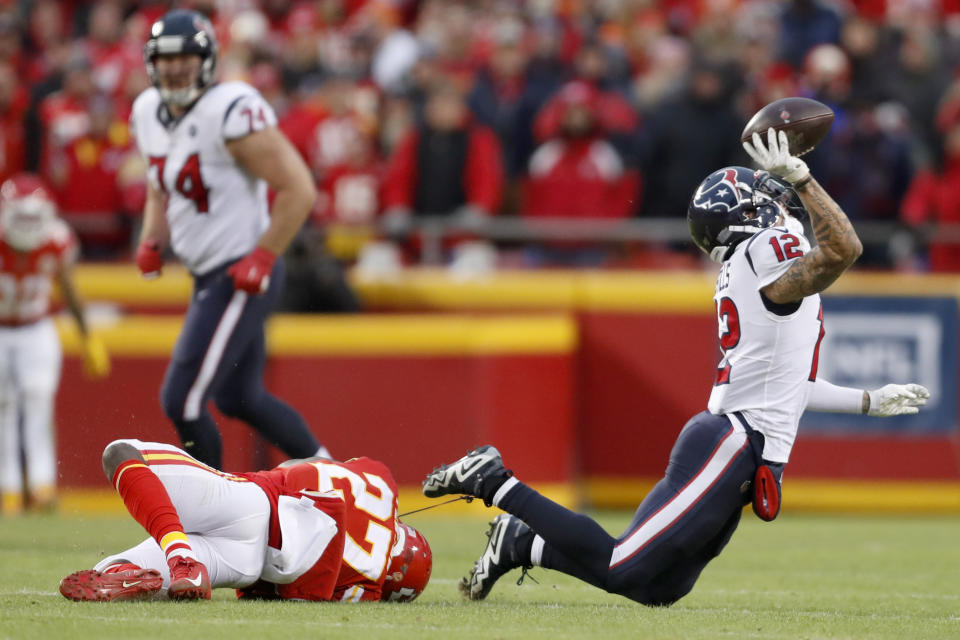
(934, 197)
(448, 166)
(349, 193)
(578, 173)
(63, 114)
(85, 175)
(613, 112)
(111, 56)
(13, 106)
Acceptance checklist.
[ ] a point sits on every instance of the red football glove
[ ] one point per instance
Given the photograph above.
(252, 273)
(149, 259)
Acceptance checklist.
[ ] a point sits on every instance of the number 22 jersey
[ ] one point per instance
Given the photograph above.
(215, 209)
(770, 351)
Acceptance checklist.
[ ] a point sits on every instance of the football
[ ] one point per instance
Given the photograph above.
(806, 122)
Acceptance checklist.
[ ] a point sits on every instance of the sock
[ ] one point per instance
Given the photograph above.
(572, 542)
(149, 503)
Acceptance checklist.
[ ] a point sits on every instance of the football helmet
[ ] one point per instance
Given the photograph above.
(182, 31)
(27, 210)
(410, 564)
(734, 203)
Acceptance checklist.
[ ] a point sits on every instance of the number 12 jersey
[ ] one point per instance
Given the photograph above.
(770, 351)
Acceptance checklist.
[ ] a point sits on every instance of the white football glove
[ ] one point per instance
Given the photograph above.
(775, 156)
(897, 399)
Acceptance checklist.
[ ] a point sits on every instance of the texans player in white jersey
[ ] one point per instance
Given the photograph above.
(213, 149)
(37, 249)
(306, 530)
(770, 327)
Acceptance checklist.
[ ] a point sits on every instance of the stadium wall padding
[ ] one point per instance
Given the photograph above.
(410, 390)
(574, 375)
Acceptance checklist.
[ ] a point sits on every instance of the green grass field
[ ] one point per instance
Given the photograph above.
(800, 577)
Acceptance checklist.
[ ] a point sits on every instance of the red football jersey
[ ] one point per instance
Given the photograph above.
(26, 277)
(369, 493)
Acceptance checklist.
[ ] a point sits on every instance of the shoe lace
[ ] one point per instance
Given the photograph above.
(524, 574)
(181, 564)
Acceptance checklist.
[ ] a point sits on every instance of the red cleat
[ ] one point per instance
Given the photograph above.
(188, 580)
(94, 586)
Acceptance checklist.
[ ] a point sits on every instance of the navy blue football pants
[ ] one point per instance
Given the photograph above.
(220, 355)
(682, 524)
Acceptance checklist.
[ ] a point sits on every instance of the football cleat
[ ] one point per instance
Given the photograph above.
(188, 580)
(501, 555)
(93, 586)
(470, 475)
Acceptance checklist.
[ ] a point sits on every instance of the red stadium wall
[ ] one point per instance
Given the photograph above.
(412, 409)
(602, 404)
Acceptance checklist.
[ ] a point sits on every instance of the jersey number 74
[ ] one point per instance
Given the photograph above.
(189, 182)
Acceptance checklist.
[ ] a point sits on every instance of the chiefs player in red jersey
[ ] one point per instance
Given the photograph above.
(36, 250)
(307, 530)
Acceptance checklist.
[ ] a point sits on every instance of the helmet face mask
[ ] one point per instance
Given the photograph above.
(181, 32)
(734, 203)
(26, 212)
(411, 562)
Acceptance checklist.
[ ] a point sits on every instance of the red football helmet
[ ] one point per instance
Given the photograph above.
(410, 566)
(26, 211)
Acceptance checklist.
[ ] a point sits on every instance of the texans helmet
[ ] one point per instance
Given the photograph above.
(734, 203)
(27, 210)
(410, 566)
(178, 32)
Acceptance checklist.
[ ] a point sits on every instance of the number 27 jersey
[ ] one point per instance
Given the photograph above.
(770, 352)
(215, 209)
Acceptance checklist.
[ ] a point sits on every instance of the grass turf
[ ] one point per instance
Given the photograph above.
(800, 577)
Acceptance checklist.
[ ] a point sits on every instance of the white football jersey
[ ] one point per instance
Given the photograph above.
(769, 360)
(216, 210)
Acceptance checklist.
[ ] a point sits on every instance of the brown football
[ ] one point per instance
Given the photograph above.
(806, 122)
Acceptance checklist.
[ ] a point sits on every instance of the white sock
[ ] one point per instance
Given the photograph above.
(504, 490)
(536, 551)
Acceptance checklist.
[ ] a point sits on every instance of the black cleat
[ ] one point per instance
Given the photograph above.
(501, 555)
(470, 475)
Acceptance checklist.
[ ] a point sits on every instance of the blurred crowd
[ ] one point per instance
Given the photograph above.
(467, 109)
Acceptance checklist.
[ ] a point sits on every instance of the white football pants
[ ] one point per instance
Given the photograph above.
(30, 361)
(226, 519)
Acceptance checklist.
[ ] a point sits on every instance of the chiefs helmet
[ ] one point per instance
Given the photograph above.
(410, 564)
(26, 211)
(734, 203)
(182, 31)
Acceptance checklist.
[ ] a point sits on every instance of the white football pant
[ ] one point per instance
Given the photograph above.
(30, 361)
(226, 520)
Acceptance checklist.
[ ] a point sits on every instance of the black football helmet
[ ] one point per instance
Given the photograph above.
(734, 203)
(182, 31)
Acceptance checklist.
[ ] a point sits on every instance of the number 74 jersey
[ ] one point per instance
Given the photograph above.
(770, 351)
(215, 209)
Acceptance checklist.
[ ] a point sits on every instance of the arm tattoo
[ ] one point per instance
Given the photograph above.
(837, 248)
